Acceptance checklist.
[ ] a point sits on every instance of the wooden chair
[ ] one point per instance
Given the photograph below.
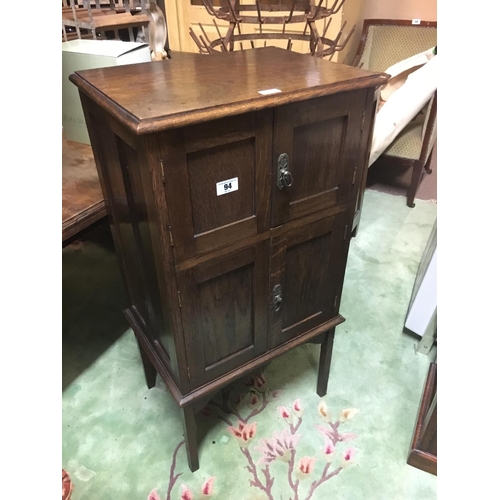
(383, 43)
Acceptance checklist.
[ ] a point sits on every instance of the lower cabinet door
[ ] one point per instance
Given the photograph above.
(224, 305)
(307, 272)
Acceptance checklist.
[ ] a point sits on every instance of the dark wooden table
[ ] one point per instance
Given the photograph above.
(82, 199)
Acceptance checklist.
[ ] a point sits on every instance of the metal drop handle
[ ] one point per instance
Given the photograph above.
(284, 177)
(277, 297)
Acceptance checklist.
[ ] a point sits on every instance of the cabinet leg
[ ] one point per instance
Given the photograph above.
(190, 437)
(225, 400)
(149, 369)
(325, 359)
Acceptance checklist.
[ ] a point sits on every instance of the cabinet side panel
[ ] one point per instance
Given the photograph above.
(125, 176)
(131, 170)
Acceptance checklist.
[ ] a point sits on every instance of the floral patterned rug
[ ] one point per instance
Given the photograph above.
(272, 452)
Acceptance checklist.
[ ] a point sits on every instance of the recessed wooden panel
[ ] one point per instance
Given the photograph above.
(226, 306)
(305, 284)
(200, 157)
(224, 310)
(322, 140)
(213, 165)
(317, 152)
(308, 263)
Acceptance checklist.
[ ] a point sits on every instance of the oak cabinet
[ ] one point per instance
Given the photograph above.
(231, 210)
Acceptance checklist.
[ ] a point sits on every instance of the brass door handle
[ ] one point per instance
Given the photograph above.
(284, 177)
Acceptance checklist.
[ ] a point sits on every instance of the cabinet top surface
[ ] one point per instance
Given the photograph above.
(191, 88)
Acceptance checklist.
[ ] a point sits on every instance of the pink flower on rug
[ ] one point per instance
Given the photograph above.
(244, 433)
(253, 400)
(258, 382)
(206, 411)
(186, 493)
(328, 450)
(324, 412)
(297, 408)
(347, 414)
(278, 447)
(347, 459)
(154, 495)
(348, 436)
(285, 414)
(305, 467)
(208, 487)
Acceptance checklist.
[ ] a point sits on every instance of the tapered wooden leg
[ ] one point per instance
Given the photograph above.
(225, 400)
(190, 437)
(416, 176)
(149, 369)
(427, 166)
(325, 359)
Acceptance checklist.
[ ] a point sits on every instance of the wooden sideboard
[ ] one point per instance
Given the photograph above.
(231, 208)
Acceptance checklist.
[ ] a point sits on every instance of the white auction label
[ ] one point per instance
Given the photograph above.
(227, 186)
(269, 91)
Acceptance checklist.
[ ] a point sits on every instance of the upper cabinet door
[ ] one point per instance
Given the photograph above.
(218, 181)
(316, 155)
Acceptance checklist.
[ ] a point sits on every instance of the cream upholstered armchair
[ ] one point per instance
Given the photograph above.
(384, 42)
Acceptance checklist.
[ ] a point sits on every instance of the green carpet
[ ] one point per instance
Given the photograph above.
(121, 440)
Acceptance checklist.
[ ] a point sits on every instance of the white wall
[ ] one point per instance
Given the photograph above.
(426, 10)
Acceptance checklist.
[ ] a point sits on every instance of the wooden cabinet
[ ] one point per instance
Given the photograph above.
(231, 210)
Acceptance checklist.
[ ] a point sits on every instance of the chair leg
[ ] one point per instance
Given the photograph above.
(428, 163)
(415, 182)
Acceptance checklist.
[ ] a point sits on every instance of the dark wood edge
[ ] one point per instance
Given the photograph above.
(394, 161)
(120, 114)
(83, 220)
(426, 149)
(416, 457)
(385, 22)
(423, 461)
(219, 383)
(83, 233)
(258, 103)
(153, 355)
(256, 363)
(213, 113)
(190, 262)
(372, 100)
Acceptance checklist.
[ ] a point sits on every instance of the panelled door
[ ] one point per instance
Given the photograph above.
(316, 154)
(224, 311)
(218, 177)
(307, 272)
